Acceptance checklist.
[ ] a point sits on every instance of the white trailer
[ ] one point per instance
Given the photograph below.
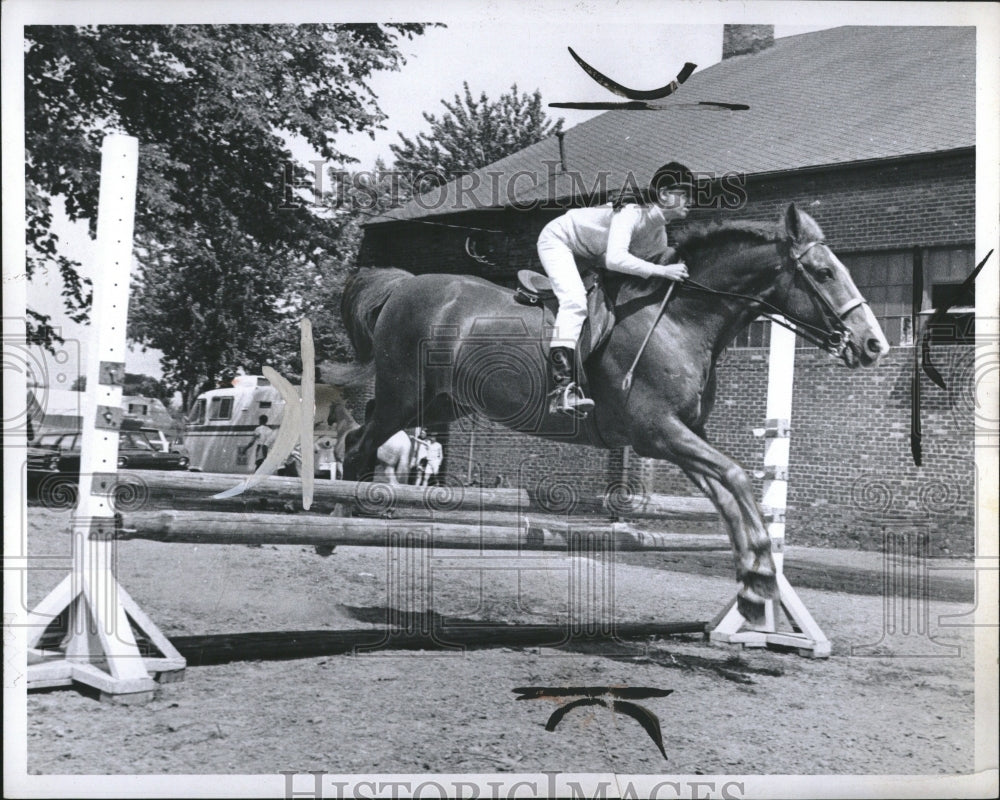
(222, 421)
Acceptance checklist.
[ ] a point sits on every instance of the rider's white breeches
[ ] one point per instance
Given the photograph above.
(560, 265)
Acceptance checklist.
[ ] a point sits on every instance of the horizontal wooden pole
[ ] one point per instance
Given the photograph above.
(165, 489)
(205, 527)
(200, 650)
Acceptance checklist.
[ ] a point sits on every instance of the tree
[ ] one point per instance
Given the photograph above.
(146, 386)
(357, 197)
(471, 135)
(217, 243)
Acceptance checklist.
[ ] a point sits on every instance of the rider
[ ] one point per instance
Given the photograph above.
(627, 237)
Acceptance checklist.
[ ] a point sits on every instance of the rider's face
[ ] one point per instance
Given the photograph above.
(674, 204)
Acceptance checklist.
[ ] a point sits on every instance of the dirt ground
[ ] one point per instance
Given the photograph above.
(882, 704)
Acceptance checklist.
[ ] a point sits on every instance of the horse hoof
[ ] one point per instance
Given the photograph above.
(760, 584)
(325, 549)
(750, 607)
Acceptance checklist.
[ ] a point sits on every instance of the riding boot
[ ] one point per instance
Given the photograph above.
(567, 397)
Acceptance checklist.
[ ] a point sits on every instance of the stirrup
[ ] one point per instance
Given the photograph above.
(569, 399)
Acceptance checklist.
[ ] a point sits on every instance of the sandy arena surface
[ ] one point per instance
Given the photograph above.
(904, 706)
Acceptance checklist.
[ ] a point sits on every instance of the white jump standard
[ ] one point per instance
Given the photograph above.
(101, 614)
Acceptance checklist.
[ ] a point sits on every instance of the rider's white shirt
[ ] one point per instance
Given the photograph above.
(629, 240)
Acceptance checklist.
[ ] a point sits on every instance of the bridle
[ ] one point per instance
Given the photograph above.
(835, 338)
(840, 334)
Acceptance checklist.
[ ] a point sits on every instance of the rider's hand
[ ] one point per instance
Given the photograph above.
(674, 272)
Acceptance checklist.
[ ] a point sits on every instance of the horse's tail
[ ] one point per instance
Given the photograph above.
(365, 293)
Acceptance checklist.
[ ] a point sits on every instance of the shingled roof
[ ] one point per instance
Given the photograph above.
(831, 97)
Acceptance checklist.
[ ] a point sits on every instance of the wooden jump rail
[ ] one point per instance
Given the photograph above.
(157, 489)
(199, 527)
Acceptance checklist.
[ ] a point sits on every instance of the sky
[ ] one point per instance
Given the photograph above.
(492, 57)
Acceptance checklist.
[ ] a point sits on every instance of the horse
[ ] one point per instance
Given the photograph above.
(394, 458)
(443, 346)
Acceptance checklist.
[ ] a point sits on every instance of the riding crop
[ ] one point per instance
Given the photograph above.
(627, 382)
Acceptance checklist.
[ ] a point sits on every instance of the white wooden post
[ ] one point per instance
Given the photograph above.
(99, 631)
(727, 627)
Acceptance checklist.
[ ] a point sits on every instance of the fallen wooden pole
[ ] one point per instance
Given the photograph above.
(224, 648)
(164, 489)
(202, 527)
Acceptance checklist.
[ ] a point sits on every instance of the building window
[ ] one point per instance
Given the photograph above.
(886, 279)
(944, 272)
(756, 334)
(138, 409)
(959, 325)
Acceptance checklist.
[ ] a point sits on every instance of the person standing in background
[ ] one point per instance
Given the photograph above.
(263, 438)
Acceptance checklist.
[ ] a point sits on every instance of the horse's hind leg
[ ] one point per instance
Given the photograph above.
(359, 456)
(384, 417)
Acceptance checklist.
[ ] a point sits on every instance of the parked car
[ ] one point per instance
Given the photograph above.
(54, 463)
(59, 451)
(165, 442)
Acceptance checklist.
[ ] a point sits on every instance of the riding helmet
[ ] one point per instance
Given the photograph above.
(672, 175)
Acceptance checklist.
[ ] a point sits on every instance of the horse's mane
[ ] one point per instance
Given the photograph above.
(718, 233)
(630, 292)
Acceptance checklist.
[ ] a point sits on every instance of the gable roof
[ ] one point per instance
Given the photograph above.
(829, 97)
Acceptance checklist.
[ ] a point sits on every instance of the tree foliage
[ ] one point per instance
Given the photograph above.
(219, 248)
(136, 383)
(359, 196)
(472, 134)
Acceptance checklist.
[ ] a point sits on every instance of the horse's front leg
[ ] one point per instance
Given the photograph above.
(730, 490)
(750, 601)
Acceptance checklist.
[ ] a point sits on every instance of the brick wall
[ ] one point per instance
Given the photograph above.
(851, 473)
(483, 452)
(891, 205)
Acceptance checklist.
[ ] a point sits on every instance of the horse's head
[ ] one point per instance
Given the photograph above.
(816, 289)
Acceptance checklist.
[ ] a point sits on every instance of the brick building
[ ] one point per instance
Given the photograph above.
(847, 124)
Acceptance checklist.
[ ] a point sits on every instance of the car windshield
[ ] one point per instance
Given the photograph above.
(134, 441)
(197, 415)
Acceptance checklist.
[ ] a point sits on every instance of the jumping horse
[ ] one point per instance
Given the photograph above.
(444, 346)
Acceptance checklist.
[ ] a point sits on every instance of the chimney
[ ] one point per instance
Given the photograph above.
(739, 40)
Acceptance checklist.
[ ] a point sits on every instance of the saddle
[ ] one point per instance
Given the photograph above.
(535, 289)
